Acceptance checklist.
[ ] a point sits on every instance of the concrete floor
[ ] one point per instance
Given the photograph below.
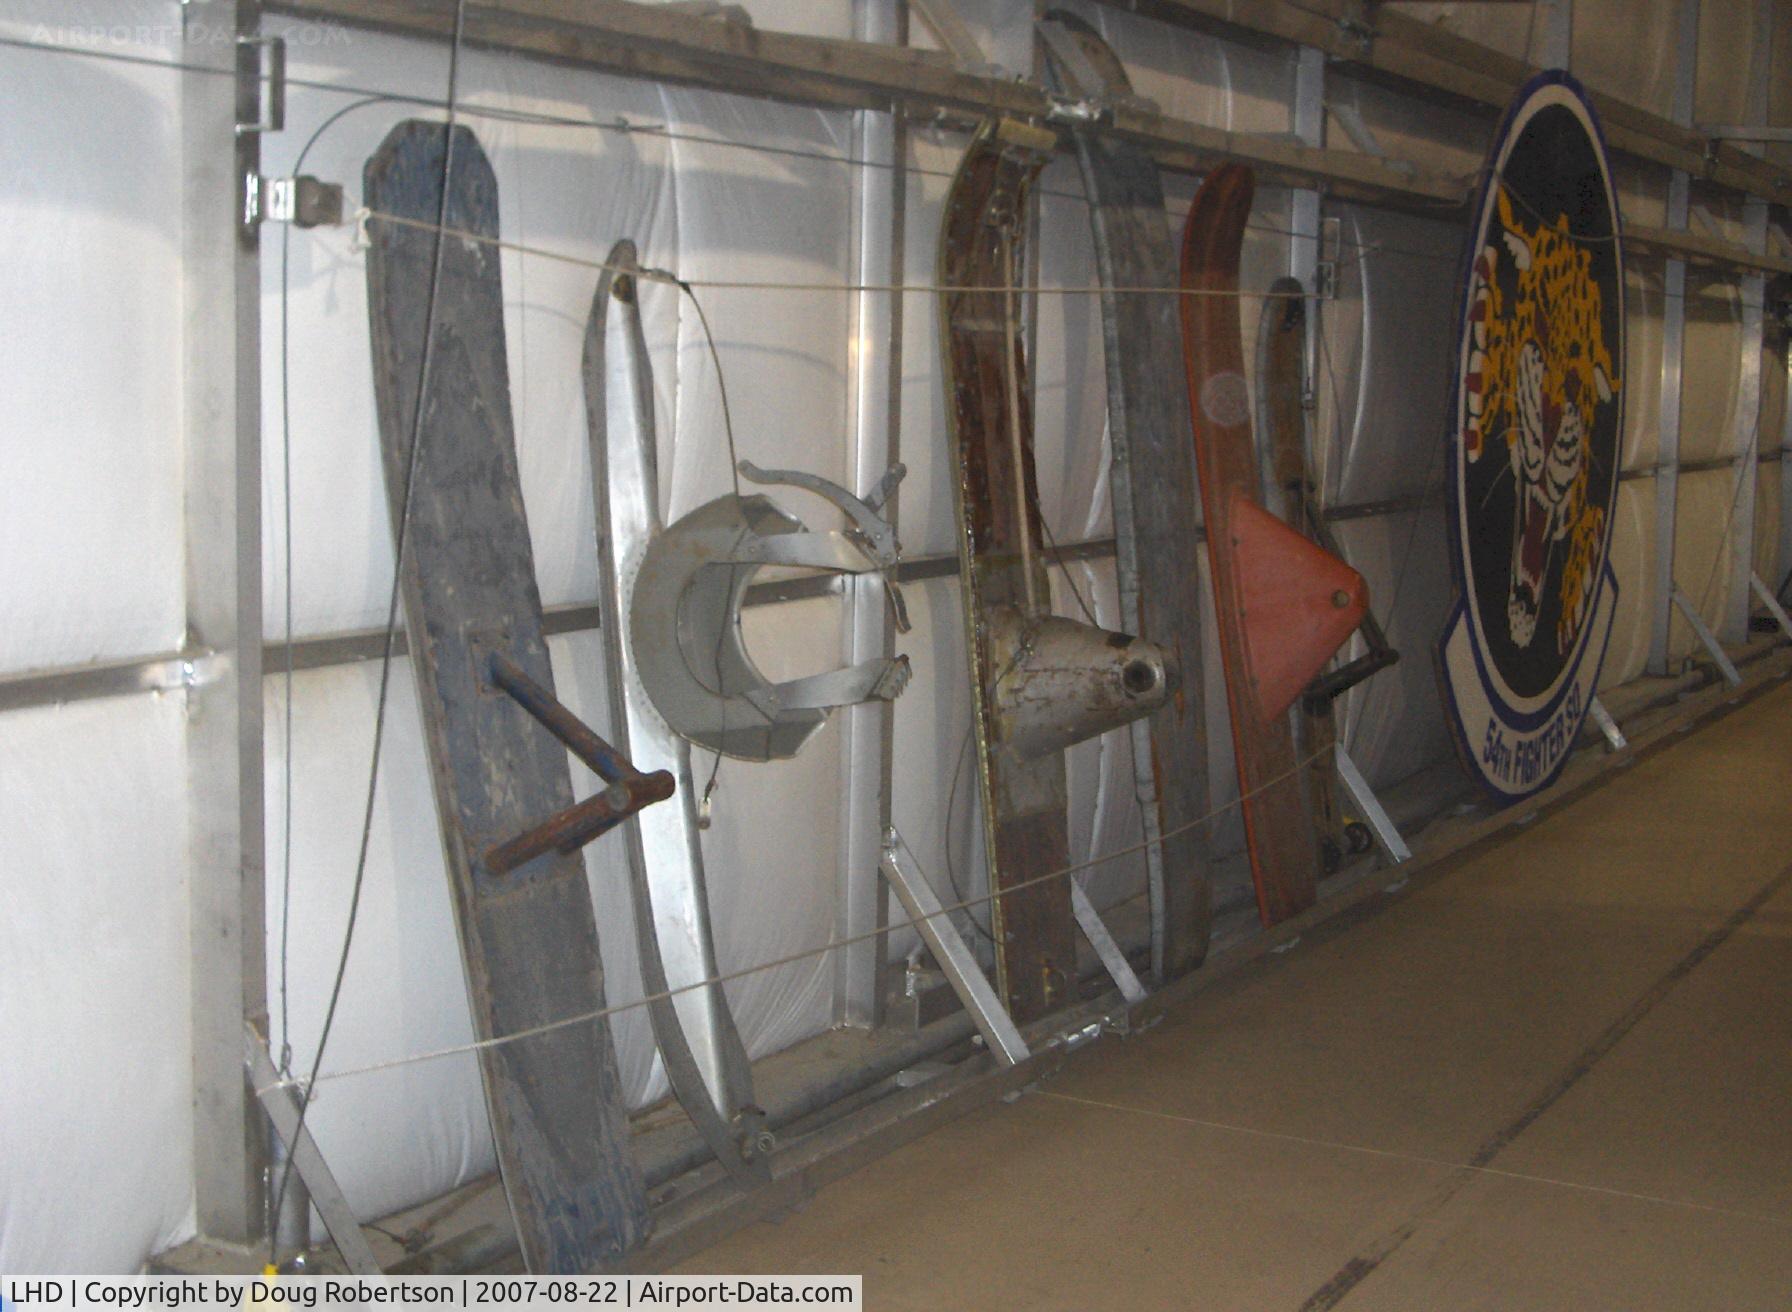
(1556, 1076)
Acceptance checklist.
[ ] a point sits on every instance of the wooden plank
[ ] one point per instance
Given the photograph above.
(1289, 490)
(1278, 827)
(1001, 541)
(528, 938)
(1155, 496)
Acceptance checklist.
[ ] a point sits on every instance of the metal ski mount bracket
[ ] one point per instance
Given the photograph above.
(1062, 681)
(567, 831)
(1333, 684)
(1083, 95)
(686, 604)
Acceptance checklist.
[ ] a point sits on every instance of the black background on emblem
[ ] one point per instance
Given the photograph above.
(1553, 169)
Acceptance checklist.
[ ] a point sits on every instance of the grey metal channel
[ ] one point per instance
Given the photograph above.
(1673, 356)
(879, 204)
(1154, 494)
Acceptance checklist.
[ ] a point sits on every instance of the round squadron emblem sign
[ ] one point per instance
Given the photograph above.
(1539, 414)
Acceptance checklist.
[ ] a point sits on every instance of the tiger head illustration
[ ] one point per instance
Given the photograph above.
(1538, 370)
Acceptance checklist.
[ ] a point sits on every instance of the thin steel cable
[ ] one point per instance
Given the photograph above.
(731, 284)
(835, 945)
(283, 1058)
(412, 462)
(621, 125)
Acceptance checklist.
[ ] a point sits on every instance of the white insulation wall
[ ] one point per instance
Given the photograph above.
(95, 1124)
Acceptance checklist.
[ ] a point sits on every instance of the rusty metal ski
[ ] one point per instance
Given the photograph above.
(1039, 681)
(1026, 830)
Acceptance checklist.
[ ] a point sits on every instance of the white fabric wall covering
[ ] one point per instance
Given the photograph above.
(95, 1123)
(89, 345)
(1633, 561)
(1767, 488)
(1384, 393)
(95, 1091)
(393, 1137)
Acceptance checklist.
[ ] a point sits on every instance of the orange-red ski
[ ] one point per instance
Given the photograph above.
(1284, 604)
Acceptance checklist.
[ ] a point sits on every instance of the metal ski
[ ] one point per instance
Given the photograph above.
(496, 737)
(1290, 488)
(1153, 481)
(699, 1043)
(1039, 682)
(1284, 604)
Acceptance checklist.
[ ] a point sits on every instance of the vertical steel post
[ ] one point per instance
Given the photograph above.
(874, 401)
(221, 350)
(1782, 559)
(1673, 355)
(1733, 627)
(1304, 216)
(1556, 34)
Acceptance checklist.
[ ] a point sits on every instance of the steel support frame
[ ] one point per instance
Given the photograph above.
(1783, 555)
(874, 407)
(221, 351)
(1733, 624)
(1673, 358)
(1555, 34)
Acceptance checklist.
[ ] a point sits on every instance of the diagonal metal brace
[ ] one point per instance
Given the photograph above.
(285, 1112)
(571, 829)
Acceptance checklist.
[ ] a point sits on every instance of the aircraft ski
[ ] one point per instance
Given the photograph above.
(1284, 604)
(1154, 490)
(679, 674)
(706, 1062)
(496, 737)
(1039, 682)
(1290, 488)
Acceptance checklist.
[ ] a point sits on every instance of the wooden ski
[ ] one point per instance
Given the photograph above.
(1154, 489)
(1291, 489)
(1284, 604)
(496, 739)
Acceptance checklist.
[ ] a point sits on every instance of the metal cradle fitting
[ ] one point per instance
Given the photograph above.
(685, 616)
(1063, 681)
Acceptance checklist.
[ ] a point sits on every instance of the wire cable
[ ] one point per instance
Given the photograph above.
(400, 534)
(835, 945)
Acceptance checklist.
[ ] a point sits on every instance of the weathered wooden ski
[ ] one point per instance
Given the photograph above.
(1154, 489)
(706, 1063)
(1040, 682)
(1284, 605)
(473, 616)
(1290, 488)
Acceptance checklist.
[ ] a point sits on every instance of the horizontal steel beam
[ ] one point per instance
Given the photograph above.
(1742, 132)
(659, 44)
(648, 41)
(1697, 249)
(169, 671)
(1416, 52)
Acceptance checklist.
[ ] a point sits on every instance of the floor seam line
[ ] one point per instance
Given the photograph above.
(1419, 1159)
(1349, 1276)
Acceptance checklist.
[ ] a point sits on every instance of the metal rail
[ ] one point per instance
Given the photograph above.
(648, 41)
